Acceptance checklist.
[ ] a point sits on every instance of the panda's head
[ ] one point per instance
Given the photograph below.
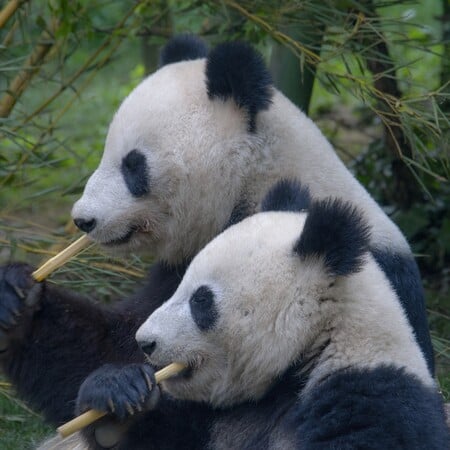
(254, 299)
(177, 152)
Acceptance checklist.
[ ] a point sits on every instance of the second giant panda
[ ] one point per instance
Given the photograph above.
(293, 338)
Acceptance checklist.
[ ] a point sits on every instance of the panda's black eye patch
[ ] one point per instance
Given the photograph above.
(135, 173)
(203, 308)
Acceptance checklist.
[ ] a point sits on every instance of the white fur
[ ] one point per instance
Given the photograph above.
(274, 307)
(202, 162)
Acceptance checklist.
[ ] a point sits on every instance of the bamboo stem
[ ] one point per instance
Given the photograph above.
(9, 9)
(31, 66)
(92, 415)
(61, 258)
(8, 39)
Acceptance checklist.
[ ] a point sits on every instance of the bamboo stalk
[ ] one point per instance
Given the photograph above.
(8, 39)
(9, 9)
(30, 67)
(92, 415)
(61, 258)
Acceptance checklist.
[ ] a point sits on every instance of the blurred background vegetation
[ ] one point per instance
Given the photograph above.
(374, 75)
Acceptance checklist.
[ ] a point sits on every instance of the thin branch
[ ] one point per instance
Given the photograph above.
(82, 69)
(30, 68)
(282, 38)
(10, 35)
(10, 8)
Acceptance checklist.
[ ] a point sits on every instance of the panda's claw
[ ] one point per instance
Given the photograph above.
(129, 408)
(34, 295)
(19, 292)
(111, 405)
(149, 382)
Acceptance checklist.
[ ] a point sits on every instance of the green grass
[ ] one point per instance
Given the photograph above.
(19, 427)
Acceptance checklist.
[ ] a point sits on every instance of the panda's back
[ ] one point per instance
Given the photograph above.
(352, 409)
(301, 151)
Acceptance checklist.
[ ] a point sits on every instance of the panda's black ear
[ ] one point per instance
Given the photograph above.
(235, 70)
(336, 232)
(183, 47)
(286, 195)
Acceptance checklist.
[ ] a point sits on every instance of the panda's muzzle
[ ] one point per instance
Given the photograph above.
(89, 225)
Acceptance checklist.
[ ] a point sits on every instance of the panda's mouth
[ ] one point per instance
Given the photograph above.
(121, 240)
(184, 374)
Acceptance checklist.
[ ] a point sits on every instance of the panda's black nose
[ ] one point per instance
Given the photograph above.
(85, 225)
(148, 347)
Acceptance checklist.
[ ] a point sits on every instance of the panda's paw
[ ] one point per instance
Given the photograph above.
(119, 390)
(20, 297)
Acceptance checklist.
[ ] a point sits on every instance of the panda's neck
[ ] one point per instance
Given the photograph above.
(367, 329)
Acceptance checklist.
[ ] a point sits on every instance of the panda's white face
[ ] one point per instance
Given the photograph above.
(171, 157)
(245, 311)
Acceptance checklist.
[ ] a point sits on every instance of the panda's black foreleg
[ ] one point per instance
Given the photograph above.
(52, 339)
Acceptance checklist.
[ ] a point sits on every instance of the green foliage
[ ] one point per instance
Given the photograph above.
(19, 427)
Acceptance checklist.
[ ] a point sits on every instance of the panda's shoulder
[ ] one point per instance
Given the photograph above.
(361, 409)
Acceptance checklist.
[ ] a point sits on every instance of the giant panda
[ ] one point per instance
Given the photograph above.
(293, 338)
(192, 149)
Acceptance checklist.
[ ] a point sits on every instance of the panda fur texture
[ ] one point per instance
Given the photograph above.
(191, 150)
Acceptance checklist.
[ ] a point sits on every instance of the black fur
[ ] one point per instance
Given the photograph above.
(335, 231)
(403, 273)
(235, 70)
(379, 409)
(287, 195)
(239, 213)
(203, 308)
(20, 299)
(135, 173)
(172, 425)
(122, 390)
(184, 47)
(71, 336)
